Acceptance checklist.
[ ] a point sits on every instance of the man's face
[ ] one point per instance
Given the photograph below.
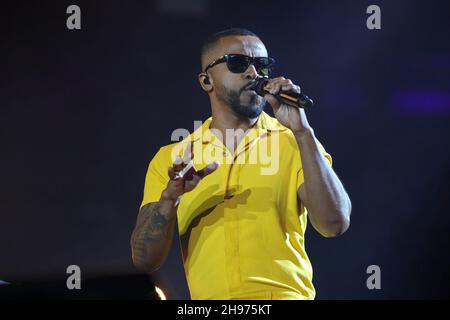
(229, 87)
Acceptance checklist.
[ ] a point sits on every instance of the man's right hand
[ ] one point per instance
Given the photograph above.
(180, 181)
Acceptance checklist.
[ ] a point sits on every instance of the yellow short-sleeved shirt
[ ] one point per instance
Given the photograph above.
(242, 228)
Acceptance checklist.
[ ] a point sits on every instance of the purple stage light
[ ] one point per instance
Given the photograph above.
(426, 101)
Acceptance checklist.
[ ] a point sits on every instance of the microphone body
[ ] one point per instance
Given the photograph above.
(291, 98)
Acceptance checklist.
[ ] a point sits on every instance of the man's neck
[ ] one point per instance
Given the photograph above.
(223, 119)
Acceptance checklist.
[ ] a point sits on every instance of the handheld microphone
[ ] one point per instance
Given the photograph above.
(291, 98)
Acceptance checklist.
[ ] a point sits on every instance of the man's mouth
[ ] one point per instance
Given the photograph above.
(250, 91)
(250, 86)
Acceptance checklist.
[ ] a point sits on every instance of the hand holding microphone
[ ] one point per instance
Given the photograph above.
(287, 101)
(292, 97)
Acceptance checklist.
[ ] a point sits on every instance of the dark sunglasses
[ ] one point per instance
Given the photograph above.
(238, 63)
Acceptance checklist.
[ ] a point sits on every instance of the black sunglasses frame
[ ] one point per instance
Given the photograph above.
(256, 61)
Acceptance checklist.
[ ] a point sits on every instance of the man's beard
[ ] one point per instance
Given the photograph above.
(251, 109)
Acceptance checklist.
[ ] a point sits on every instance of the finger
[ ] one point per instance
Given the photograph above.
(284, 86)
(282, 83)
(178, 164)
(173, 175)
(188, 153)
(270, 84)
(285, 82)
(208, 169)
(278, 79)
(291, 87)
(187, 171)
(170, 173)
(275, 88)
(287, 87)
(189, 174)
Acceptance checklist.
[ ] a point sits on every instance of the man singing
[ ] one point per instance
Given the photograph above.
(241, 218)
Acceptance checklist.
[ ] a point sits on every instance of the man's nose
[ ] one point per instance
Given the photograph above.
(251, 72)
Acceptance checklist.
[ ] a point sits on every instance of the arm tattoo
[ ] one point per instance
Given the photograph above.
(153, 224)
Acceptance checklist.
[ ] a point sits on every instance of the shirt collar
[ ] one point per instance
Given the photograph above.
(265, 123)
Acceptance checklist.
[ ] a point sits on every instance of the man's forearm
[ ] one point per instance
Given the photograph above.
(328, 204)
(152, 238)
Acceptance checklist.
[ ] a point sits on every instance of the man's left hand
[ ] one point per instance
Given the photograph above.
(290, 117)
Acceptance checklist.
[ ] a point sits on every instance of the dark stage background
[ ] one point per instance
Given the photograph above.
(82, 112)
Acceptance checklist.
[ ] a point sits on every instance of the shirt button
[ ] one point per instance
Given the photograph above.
(224, 153)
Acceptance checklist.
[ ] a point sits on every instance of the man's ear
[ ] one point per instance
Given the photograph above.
(205, 81)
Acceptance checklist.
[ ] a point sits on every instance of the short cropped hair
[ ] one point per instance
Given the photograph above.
(212, 40)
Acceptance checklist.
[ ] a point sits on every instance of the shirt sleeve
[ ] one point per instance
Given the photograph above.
(156, 179)
(300, 177)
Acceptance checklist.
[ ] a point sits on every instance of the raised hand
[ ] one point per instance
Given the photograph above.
(183, 176)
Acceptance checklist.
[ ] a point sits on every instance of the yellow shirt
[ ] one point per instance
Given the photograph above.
(241, 229)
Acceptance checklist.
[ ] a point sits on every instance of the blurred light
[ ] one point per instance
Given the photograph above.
(160, 293)
(423, 101)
